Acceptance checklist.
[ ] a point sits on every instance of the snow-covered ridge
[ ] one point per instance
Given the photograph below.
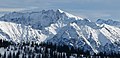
(70, 15)
(60, 27)
(38, 18)
(109, 22)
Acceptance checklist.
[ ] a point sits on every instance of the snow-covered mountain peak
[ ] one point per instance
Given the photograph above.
(60, 10)
(38, 18)
(70, 15)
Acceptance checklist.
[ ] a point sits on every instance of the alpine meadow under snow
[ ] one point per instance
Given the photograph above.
(59, 27)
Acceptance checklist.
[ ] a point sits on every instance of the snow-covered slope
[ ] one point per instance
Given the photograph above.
(61, 28)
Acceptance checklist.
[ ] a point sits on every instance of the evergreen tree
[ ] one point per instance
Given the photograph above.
(4, 56)
(9, 55)
(0, 55)
(13, 54)
(18, 53)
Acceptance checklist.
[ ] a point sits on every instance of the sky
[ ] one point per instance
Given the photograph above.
(90, 9)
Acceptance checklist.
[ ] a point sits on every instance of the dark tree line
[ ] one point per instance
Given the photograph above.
(48, 50)
(4, 43)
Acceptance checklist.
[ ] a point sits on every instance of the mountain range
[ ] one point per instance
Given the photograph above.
(60, 27)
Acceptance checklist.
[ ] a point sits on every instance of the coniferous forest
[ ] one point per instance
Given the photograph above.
(46, 50)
